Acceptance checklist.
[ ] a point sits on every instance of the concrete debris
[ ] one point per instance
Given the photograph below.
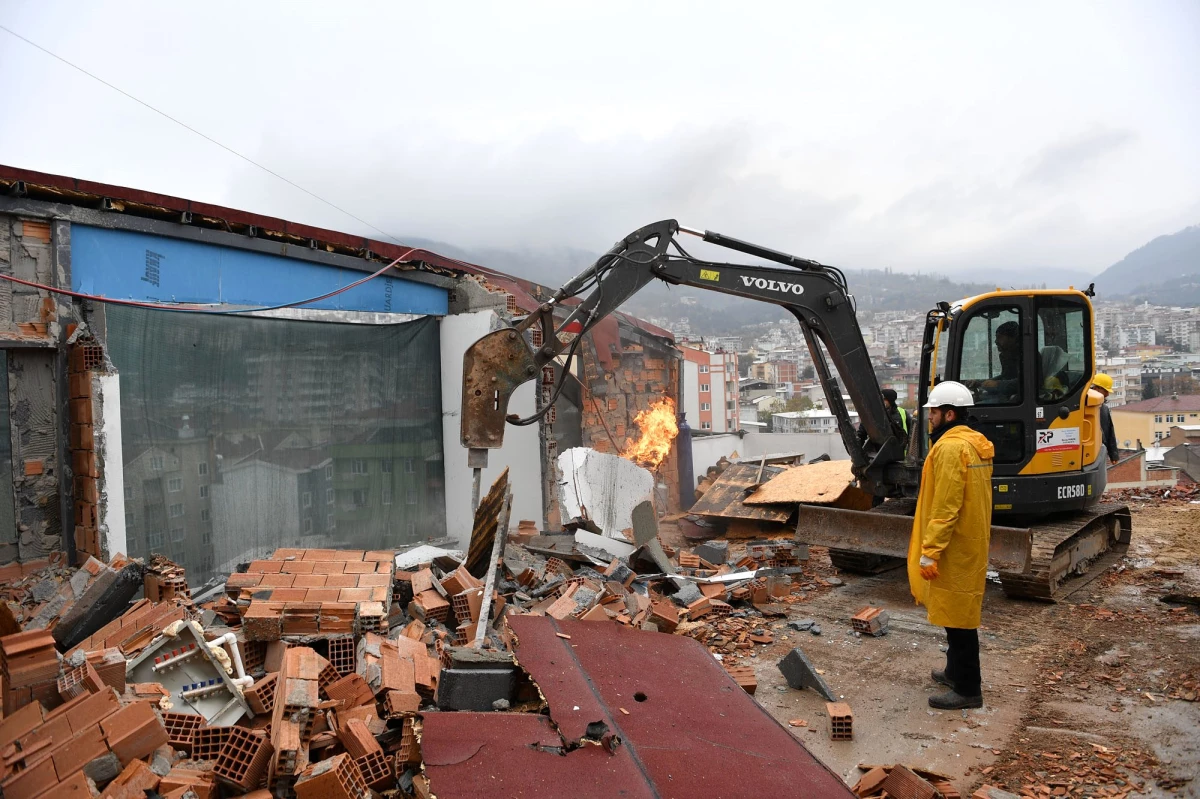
(800, 673)
(602, 487)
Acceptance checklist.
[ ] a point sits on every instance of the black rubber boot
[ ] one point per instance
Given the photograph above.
(953, 701)
(940, 677)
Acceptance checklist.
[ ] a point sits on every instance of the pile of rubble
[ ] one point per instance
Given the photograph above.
(316, 673)
(1180, 494)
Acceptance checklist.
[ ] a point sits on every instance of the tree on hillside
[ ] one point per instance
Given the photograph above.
(1149, 389)
(808, 373)
(744, 362)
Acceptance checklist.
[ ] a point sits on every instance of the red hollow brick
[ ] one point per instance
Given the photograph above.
(243, 759)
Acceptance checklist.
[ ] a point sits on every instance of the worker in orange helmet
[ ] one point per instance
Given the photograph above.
(948, 552)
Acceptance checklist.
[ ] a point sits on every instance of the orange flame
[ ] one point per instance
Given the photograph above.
(659, 428)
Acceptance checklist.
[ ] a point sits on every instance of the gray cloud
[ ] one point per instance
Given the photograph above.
(910, 137)
(1063, 161)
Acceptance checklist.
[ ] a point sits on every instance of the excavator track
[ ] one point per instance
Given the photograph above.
(1070, 550)
(1065, 551)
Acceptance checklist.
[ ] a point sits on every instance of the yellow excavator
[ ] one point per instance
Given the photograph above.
(1027, 356)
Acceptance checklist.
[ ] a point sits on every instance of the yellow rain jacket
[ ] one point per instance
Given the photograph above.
(953, 526)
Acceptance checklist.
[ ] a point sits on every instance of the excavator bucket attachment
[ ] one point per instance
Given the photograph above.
(493, 367)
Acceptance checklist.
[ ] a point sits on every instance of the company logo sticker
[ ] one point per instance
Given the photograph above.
(773, 285)
(1059, 439)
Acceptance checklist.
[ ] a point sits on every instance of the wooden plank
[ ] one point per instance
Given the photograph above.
(822, 483)
(487, 517)
(724, 498)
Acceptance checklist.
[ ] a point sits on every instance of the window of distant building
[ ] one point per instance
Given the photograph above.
(203, 492)
(129, 518)
(329, 496)
(128, 492)
(156, 463)
(175, 484)
(329, 522)
(412, 496)
(329, 472)
(155, 540)
(409, 466)
(386, 466)
(703, 369)
(705, 388)
(360, 497)
(175, 511)
(704, 406)
(202, 469)
(204, 515)
(1158, 419)
(177, 534)
(358, 467)
(387, 496)
(306, 499)
(307, 526)
(706, 425)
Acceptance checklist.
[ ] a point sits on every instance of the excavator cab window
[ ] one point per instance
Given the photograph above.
(991, 363)
(1063, 361)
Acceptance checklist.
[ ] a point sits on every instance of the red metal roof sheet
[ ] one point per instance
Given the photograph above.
(689, 730)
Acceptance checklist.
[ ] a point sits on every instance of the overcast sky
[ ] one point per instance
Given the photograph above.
(947, 136)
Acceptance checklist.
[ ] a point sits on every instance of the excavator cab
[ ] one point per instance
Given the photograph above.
(1028, 358)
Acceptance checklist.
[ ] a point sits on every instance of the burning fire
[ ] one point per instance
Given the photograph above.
(659, 428)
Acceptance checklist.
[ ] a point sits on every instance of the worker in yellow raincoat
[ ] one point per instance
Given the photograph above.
(948, 553)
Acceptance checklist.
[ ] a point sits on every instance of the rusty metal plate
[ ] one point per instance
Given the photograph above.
(468, 755)
(889, 533)
(493, 367)
(688, 729)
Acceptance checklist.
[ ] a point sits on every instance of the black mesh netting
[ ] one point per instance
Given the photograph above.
(241, 435)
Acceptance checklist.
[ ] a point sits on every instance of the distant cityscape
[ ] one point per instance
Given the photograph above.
(1148, 350)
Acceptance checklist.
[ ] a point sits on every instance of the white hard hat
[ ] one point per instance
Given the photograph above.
(950, 392)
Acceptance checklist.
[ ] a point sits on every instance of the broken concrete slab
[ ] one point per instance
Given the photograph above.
(645, 535)
(474, 689)
(715, 552)
(802, 625)
(687, 593)
(800, 673)
(613, 546)
(104, 600)
(602, 487)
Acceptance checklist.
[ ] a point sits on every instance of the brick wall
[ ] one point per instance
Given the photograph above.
(1132, 473)
(626, 377)
(84, 359)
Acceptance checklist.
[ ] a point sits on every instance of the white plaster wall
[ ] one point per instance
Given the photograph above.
(691, 393)
(707, 450)
(521, 449)
(813, 445)
(107, 432)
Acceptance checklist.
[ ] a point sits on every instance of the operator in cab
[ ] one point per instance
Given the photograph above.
(948, 551)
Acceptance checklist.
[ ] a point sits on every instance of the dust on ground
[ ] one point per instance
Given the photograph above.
(1093, 696)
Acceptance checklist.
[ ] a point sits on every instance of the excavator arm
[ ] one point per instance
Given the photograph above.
(816, 294)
